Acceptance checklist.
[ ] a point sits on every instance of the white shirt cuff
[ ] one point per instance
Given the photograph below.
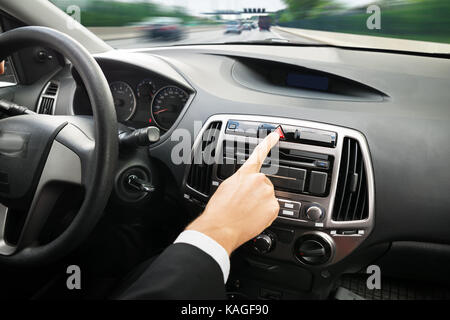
(209, 246)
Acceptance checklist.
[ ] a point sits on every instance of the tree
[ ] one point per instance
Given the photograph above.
(300, 9)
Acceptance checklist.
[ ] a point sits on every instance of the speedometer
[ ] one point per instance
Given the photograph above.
(167, 105)
(124, 100)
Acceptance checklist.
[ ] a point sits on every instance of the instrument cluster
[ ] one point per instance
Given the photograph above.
(148, 101)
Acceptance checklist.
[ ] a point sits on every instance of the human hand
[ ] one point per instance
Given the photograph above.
(243, 205)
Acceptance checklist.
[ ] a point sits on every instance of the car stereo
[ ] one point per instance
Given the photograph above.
(296, 171)
(322, 175)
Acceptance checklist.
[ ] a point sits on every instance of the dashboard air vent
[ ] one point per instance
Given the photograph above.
(352, 194)
(52, 89)
(48, 98)
(200, 174)
(46, 105)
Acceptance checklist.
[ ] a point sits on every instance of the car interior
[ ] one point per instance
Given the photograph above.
(88, 135)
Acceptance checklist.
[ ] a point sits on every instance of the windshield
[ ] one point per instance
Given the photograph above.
(390, 24)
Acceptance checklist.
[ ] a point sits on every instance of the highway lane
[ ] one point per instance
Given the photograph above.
(208, 36)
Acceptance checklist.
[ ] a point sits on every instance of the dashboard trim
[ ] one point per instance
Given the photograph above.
(145, 61)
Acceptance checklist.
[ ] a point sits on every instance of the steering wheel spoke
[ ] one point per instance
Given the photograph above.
(63, 166)
(67, 162)
(6, 249)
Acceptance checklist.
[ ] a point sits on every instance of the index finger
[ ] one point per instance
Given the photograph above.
(256, 159)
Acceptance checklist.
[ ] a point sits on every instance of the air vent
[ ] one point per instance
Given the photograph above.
(48, 98)
(200, 174)
(52, 89)
(351, 195)
(46, 105)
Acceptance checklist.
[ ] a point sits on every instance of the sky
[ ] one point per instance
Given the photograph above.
(199, 6)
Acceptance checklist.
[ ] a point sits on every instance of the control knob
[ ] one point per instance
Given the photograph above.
(314, 213)
(314, 248)
(264, 242)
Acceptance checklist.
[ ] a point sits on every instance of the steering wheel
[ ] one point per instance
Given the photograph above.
(40, 153)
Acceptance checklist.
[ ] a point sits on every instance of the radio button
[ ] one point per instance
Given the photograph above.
(288, 213)
(265, 129)
(322, 164)
(318, 182)
(231, 126)
(289, 208)
(289, 205)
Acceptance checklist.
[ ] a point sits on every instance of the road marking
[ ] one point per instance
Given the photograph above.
(277, 35)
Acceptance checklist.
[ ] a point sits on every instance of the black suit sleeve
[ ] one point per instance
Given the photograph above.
(182, 271)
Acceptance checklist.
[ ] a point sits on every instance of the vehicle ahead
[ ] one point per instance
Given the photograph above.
(264, 23)
(247, 27)
(167, 28)
(233, 27)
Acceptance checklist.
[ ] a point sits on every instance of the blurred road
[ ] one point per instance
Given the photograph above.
(208, 36)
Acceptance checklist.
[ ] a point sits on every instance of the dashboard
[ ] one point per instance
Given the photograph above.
(364, 166)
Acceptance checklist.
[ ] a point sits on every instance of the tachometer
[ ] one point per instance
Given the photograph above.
(124, 100)
(146, 90)
(167, 105)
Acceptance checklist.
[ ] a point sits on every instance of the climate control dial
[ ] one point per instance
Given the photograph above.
(315, 248)
(265, 242)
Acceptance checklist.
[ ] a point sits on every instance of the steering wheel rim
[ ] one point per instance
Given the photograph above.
(103, 156)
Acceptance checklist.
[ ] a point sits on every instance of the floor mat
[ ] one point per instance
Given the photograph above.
(391, 289)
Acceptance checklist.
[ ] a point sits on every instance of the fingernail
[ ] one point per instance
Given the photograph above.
(280, 132)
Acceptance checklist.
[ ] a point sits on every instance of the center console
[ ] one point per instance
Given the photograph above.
(322, 176)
